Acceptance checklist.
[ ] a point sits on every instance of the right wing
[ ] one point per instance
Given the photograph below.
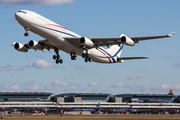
(36, 45)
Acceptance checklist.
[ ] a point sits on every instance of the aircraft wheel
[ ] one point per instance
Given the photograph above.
(61, 61)
(75, 57)
(57, 61)
(54, 57)
(72, 57)
(26, 34)
(83, 55)
(90, 59)
(86, 60)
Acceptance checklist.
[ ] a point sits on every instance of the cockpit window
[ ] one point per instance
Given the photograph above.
(22, 11)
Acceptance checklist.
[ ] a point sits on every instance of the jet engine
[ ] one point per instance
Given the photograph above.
(20, 47)
(126, 40)
(86, 42)
(35, 45)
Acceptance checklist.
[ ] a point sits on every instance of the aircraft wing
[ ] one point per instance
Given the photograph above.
(137, 39)
(46, 44)
(36, 45)
(113, 41)
(130, 58)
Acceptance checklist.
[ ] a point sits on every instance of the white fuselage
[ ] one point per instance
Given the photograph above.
(55, 34)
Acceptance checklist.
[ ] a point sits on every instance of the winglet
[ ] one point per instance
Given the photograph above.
(171, 34)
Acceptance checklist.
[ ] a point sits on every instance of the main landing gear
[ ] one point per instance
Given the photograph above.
(86, 56)
(73, 56)
(57, 57)
(26, 33)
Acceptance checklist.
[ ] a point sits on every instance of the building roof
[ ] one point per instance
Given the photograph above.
(82, 94)
(25, 93)
(144, 95)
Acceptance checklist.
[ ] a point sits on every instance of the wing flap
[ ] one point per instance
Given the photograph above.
(46, 44)
(74, 41)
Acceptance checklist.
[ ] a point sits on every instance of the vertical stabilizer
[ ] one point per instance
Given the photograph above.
(115, 50)
(97, 107)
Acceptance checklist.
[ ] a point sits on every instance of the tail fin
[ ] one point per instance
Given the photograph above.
(115, 50)
(130, 109)
(97, 107)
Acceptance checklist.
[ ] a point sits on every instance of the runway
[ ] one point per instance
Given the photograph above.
(95, 117)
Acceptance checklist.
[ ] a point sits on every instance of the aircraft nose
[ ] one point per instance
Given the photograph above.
(17, 16)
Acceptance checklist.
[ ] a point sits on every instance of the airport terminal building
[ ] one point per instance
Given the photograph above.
(67, 101)
(84, 97)
(25, 96)
(87, 97)
(119, 98)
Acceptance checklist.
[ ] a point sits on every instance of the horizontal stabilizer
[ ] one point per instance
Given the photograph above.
(131, 58)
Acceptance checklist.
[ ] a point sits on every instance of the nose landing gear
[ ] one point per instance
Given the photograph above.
(26, 33)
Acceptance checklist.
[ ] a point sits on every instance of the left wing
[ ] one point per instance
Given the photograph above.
(131, 58)
(137, 39)
(121, 60)
(123, 39)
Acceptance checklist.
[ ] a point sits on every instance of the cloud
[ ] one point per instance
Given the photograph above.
(117, 85)
(38, 88)
(163, 88)
(93, 84)
(177, 65)
(100, 90)
(134, 77)
(29, 83)
(35, 2)
(59, 83)
(73, 88)
(40, 64)
(14, 87)
(167, 86)
(31, 86)
(10, 87)
(10, 68)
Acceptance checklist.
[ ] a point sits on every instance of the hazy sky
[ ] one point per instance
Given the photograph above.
(37, 71)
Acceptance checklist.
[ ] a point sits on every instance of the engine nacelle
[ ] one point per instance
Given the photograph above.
(86, 42)
(35, 45)
(20, 47)
(126, 40)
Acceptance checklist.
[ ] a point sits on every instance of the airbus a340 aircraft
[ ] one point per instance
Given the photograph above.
(60, 38)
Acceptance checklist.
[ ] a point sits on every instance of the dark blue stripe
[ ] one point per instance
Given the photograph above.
(107, 54)
(118, 51)
(112, 57)
(55, 30)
